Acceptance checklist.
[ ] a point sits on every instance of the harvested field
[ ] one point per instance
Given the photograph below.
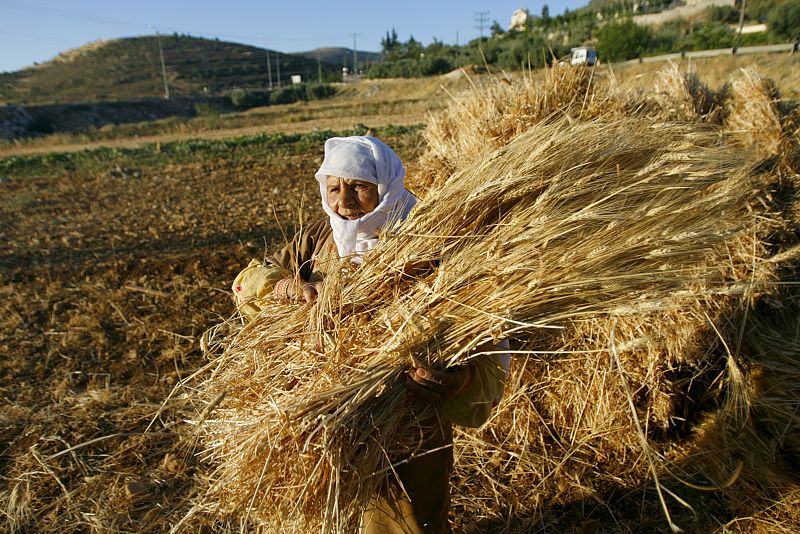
(117, 262)
(109, 275)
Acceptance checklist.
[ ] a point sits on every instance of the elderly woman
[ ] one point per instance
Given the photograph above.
(361, 183)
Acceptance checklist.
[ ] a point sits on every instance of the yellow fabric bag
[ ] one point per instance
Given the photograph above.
(254, 285)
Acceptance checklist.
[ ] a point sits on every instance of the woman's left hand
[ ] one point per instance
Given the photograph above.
(432, 385)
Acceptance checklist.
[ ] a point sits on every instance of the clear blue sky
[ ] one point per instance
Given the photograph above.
(36, 30)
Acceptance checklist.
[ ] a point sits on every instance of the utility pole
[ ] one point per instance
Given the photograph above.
(163, 66)
(741, 25)
(269, 64)
(278, 64)
(319, 68)
(355, 55)
(269, 70)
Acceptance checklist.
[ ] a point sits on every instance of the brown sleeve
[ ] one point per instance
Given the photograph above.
(473, 407)
(298, 256)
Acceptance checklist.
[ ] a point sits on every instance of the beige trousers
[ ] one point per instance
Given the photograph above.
(420, 506)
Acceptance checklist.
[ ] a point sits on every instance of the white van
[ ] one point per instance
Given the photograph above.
(583, 55)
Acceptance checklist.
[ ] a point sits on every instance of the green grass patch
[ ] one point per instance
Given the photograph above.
(194, 150)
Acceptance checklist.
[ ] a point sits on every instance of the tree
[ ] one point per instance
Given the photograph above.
(412, 48)
(496, 29)
(622, 40)
(390, 45)
(545, 16)
(527, 50)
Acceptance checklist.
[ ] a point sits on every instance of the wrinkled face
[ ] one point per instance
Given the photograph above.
(352, 199)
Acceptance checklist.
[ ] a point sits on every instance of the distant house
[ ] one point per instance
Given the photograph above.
(519, 20)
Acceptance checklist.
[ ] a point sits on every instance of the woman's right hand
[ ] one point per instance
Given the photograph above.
(431, 385)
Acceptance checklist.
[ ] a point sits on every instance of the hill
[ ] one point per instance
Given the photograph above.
(339, 56)
(130, 68)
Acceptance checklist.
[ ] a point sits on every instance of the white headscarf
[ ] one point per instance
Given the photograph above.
(368, 159)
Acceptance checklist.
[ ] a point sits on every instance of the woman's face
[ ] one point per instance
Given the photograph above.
(351, 199)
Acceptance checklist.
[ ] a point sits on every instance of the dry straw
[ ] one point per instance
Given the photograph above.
(682, 96)
(753, 116)
(498, 109)
(544, 240)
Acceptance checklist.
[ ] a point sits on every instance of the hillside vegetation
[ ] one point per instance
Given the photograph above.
(608, 25)
(130, 68)
(339, 56)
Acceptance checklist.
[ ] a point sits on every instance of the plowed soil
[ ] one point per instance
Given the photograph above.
(107, 281)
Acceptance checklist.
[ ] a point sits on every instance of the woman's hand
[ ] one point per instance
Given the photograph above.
(287, 290)
(431, 385)
(310, 291)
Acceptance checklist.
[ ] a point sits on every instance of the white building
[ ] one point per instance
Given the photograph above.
(519, 20)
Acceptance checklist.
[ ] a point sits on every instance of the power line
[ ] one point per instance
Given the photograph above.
(481, 21)
(63, 13)
(85, 17)
(7, 33)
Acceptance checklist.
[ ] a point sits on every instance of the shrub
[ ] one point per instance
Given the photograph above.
(40, 125)
(401, 68)
(726, 14)
(667, 37)
(784, 20)
(203, 109)
(289, 94)
(431, 66)
(319, 91)
(246, 98)
(708, 36)
(528, 50)
(623, 40)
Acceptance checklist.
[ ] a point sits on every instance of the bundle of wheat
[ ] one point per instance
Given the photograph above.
(682, 96)
(567, 432)
(543, 237)
(759, 119)
(753, 116)
(501, 108)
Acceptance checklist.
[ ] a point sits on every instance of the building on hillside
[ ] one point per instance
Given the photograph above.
(519, 20)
